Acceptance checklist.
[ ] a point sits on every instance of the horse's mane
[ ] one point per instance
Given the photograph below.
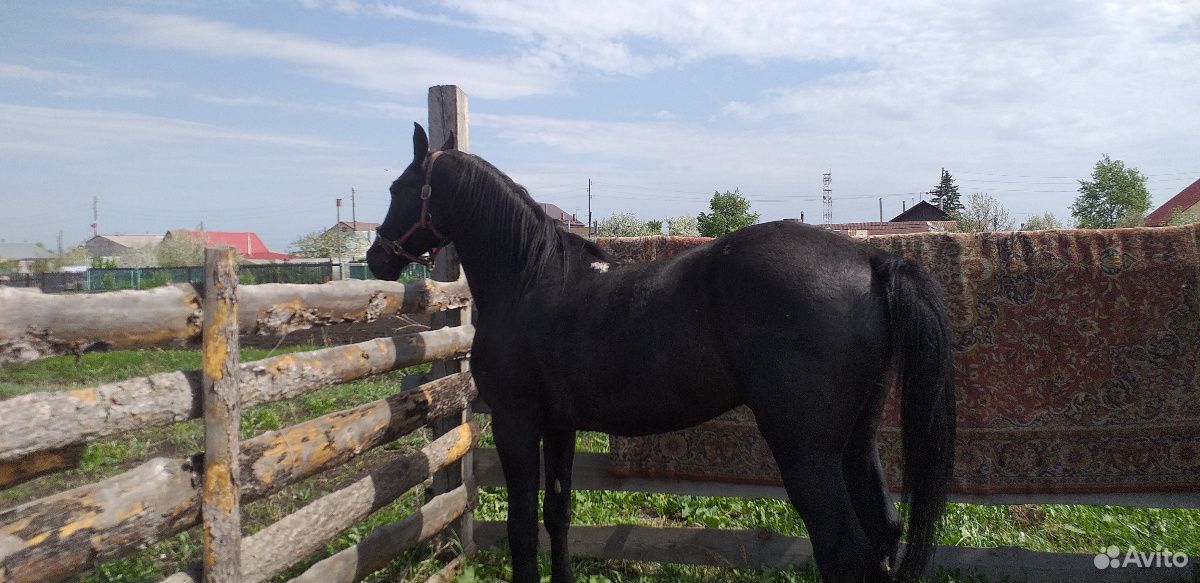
(483, 193)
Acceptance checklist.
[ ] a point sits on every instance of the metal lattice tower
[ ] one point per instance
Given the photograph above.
(827, 196)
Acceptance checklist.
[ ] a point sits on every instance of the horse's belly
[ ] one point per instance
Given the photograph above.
(657, 421)
(645, 404)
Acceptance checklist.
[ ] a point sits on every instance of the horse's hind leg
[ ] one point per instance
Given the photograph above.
(868, 493)
(558, 447)
(807, 440)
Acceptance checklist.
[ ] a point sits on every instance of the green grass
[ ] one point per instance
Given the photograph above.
(95, 368)
(1066, 528)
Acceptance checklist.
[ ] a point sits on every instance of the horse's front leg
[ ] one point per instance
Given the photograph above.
(558, 447)
(517, 445)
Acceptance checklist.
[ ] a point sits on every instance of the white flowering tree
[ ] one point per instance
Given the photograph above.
(623, 225)
(683, 226)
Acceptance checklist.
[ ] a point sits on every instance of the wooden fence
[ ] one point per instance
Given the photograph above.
(66, 533)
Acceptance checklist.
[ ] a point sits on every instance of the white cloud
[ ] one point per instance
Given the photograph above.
(78, 84)
(27, 127)
(388, 68)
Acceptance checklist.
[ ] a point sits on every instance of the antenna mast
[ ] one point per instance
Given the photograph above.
(827, 196)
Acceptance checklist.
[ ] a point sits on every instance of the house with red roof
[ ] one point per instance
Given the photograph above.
(1187, 201)
(247, 243)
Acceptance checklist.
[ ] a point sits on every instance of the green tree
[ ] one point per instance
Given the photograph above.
(1114, 193)
(655, 227)
(622, 225)
(180, 249)
(1042, 221)
(77, 255)
(683, 226)
(332, 243)
(945, 195)
(982, 214)
(1180, 218)
(730, 212)
(143, 256)
(1130, 218)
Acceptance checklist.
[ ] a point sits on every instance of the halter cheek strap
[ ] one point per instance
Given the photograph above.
(425, 221)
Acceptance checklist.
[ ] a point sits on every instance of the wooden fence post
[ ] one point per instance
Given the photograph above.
(448, 113)
(221, 508)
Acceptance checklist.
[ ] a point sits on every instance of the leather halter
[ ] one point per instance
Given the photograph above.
(424, 222)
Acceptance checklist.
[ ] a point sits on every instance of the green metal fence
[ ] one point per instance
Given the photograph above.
(413, 271)
(248, 274)
(148, 277)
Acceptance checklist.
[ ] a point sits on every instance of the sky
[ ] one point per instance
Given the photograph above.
(246, 115)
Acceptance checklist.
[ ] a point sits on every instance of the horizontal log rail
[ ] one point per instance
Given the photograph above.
(34, 325)
(39, 422)
(384, 543)
(304, 532)
(590, 472)
(764, 548)
(64, 534)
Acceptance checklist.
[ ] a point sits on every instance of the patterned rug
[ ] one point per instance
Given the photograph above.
(1077, 360)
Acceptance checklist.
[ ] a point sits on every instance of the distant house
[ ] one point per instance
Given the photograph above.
(111, 246)
(893, 227)
(569, 222)
(362, 234)
(1187, 201)
(923, 217)
(22, 256)
(923, 211)
(247, 243)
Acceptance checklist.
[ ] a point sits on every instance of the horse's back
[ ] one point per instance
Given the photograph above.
(786, 290)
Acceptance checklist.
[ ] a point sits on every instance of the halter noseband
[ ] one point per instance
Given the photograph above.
(424, 222)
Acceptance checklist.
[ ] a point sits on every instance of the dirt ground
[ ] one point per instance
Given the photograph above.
(343, 333)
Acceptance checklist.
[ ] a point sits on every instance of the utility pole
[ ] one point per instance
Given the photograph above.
(95, 216)
(827, 196)
(353, 213)
(591, 232)
(881, 209)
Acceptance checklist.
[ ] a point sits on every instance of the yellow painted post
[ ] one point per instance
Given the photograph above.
(221, 507)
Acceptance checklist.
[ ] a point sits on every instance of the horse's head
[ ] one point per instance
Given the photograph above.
(408, 231)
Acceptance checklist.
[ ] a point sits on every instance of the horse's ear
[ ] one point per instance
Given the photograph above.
(451, 142)
(420, 144)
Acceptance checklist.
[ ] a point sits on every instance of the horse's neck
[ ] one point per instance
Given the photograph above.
(497, 253)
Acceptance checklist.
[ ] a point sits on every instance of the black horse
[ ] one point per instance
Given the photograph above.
(806, 327)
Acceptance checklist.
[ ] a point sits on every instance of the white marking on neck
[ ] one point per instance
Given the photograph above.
(600, 266)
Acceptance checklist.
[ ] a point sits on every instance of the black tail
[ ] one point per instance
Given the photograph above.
(925, 361)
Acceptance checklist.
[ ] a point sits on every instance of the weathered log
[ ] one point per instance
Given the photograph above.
(42, 421)
(304, 532)
(449, 573)
(382, 545)
(290, 454)
(221, 507)
(14, 472)
(34, 325)
(64, 534)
